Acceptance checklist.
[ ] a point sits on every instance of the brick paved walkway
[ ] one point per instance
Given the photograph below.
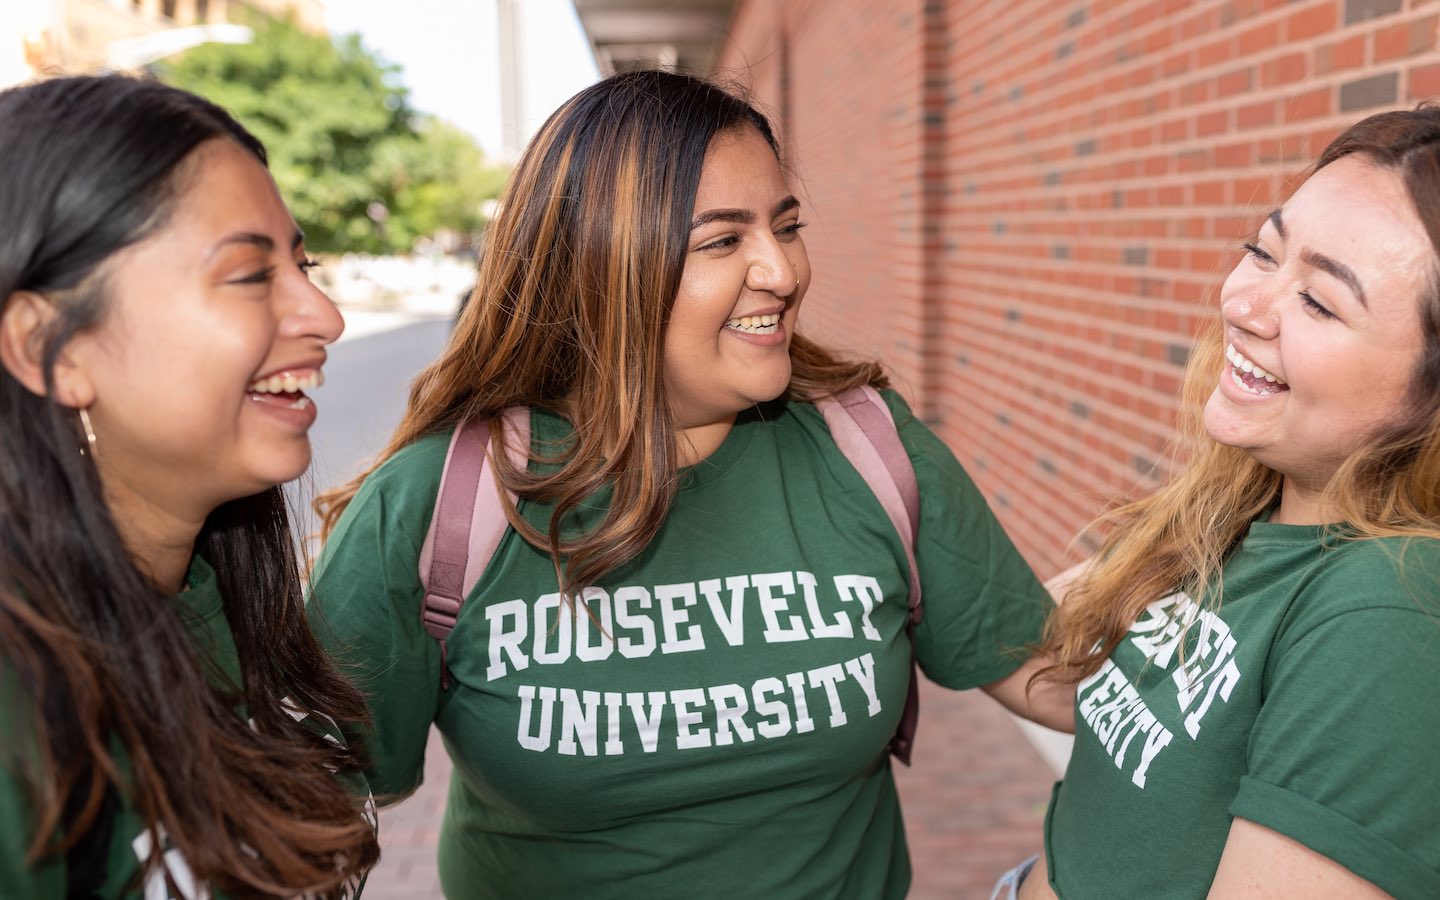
(974, 803)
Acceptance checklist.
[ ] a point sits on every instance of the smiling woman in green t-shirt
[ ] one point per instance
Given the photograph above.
(1258, 644)
(709, 717)
(167, 717)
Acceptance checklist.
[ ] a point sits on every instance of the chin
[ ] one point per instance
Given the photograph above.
(772, 387)
(280, 470)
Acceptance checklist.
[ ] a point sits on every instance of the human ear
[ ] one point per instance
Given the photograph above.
(24, 321)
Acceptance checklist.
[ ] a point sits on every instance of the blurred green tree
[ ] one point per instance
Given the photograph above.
(439, 182)
(360, 169)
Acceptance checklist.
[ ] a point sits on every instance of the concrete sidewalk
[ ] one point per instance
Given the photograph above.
(974, 803)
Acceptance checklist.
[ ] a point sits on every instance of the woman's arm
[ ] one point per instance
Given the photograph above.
(1049, 703)
(1261, 864)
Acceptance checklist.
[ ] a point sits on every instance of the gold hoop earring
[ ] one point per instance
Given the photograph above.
(89, 434)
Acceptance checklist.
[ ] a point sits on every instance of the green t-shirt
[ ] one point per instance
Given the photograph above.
(203, 610)
(722, 731)
(1307, 704)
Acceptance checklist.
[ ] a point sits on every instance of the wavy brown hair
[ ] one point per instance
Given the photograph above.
(108, 685)
(579, 273)
(1179, 537)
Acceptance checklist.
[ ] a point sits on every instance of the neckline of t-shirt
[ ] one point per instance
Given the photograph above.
(715, 466)
(1264, 531)
(726, 457)
(201, 595)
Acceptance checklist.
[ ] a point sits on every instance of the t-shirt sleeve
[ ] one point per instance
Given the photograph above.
(982, 605)
(364, 604)
(1342, 756)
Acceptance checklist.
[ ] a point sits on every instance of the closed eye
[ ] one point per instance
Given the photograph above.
(729, 240)
(1255, 253)
(260, 277)
(1314, 306)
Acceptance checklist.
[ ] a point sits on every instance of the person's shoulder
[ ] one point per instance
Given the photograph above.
(899, 409)
(932, 460)
(402, 489)
(411, 473)
(421, 459)
(1388, 573)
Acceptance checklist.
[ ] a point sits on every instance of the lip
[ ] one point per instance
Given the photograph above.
(301, 417)
(776, 310)
(1237, 394)
(295, 408)
(298, 367)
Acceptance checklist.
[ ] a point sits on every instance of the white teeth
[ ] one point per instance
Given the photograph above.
(1245, 364)
(755, 324)
(286, 383)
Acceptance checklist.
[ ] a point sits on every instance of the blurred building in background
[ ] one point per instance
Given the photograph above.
(47, 36)
(508, 27)
(629, 34)
(1024, 208)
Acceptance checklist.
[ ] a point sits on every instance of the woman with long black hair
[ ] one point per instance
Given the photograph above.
(170, 723)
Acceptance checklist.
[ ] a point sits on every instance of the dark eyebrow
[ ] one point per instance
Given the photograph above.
(1278, 223)
(1339, 270)
(1325, 264)
(742, 216)
(256, 239)
(784, 206)
(245, 237)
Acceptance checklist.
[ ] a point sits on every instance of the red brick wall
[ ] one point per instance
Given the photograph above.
(1024, 207)
(849, 120)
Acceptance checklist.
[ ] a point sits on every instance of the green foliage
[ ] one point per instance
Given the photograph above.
(440, 181)
(342, 138)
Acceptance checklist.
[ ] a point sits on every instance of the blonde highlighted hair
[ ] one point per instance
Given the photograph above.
(1179, 537)
(579, 272)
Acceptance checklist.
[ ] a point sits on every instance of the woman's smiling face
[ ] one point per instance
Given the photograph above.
(727, 345)
(1326, 306)
(212, 331)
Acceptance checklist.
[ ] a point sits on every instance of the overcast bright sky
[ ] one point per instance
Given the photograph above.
(449, 52)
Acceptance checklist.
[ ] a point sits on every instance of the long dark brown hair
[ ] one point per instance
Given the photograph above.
(579, 273)
(91, 166)
(1179, 537)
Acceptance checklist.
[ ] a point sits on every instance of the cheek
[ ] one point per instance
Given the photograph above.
(696, 318)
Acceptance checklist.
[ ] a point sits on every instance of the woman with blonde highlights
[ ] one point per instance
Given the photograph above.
(679, 673)
(1257, 645)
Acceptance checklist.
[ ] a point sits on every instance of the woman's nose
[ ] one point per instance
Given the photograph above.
(774, 272)
(1252, 311)
(309, 313)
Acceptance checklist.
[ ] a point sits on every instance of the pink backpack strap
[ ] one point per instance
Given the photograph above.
(468, 523)
(865, 432)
